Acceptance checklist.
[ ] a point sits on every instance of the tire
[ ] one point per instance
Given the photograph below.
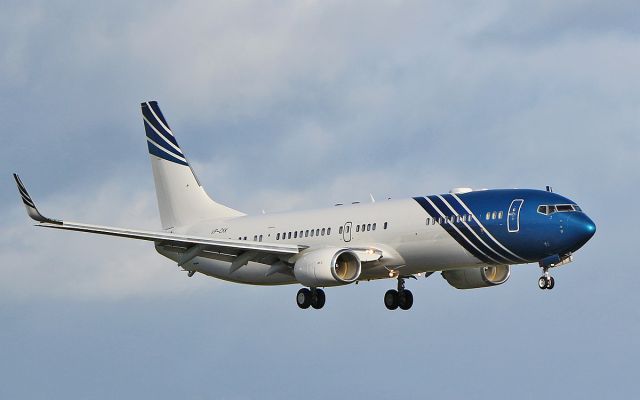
(303, 298)
(391, 299)
(542, 283)
(551, 283)
(405, 299)
(319, 299)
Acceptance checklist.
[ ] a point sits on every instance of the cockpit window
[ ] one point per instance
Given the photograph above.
(550, 209)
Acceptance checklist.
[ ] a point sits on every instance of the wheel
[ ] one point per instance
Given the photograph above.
(391, 299)
(542, 282)
(303, 298)
(318, 300)
(551, 283)
(405, 299)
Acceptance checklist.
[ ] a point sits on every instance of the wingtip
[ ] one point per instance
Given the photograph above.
(32, 210)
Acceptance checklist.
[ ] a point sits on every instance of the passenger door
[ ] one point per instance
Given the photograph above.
(346, 232)
(513, 216)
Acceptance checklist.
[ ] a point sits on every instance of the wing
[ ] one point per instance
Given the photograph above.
(239, 252)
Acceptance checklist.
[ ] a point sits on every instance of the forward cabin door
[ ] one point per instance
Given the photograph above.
(346, 232)
(513, 216)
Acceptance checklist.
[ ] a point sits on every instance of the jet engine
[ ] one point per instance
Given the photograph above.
(327, 267)
(471, 278)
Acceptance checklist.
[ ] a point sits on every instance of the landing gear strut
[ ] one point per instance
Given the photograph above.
(402, 297)
(546, 281)
(313, 297)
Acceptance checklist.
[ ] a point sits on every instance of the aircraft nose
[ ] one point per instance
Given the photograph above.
(582, 229)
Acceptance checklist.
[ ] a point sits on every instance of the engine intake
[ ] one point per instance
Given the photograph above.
(327, 267)
(472, 278)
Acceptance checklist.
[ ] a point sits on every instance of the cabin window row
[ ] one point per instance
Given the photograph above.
(493, 215)
(305, 233)
(449, 220)
(256, 238)
(360, 228)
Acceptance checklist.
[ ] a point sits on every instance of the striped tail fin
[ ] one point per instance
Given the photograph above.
(181, 199)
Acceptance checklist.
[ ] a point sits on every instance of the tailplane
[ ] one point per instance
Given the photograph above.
(181, 199)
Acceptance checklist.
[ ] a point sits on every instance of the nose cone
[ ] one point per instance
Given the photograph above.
(581, 229)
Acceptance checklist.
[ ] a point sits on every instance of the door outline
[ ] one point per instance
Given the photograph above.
(346, 232)
(513, 215)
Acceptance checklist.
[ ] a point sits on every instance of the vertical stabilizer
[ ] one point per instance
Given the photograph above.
(181, 199)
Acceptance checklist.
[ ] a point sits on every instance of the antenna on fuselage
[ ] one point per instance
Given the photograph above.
(549, 189)
(372, 199)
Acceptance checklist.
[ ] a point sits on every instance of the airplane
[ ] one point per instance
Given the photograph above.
(472, 237)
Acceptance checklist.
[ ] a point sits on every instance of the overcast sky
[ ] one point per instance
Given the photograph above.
(284, 105)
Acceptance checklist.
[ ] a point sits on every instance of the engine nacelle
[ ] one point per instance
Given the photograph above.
(327, 267)
(471, 278)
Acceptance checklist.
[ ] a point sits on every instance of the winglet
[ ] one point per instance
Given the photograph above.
(30, 205)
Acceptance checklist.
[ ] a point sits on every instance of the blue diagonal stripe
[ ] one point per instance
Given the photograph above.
(153, 149)
(451, 231)
(151, 134)
(146, 112)
(484, 243)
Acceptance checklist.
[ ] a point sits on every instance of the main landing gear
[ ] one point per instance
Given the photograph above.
(313, 297)
(402, 297)
(546, 281)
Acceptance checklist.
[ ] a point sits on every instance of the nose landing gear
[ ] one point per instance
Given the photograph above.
(402, 297)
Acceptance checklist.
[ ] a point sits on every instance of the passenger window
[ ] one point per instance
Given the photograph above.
(312, 233)
(457, 219)
(499, 214)
(255, 238)
(428, 222)
(322, 232)
(306, 233)
(295, 234)
(340, 231)
(385, 225)
(289, 235)
(328, 231)
(488, 216)
(368, 227)
(374, 226)
(494, 215)
(357, 228)
(317, 232)
(245, 238)
(278, 236)
(260, 238)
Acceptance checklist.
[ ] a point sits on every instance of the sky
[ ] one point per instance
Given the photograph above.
(284, 105)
